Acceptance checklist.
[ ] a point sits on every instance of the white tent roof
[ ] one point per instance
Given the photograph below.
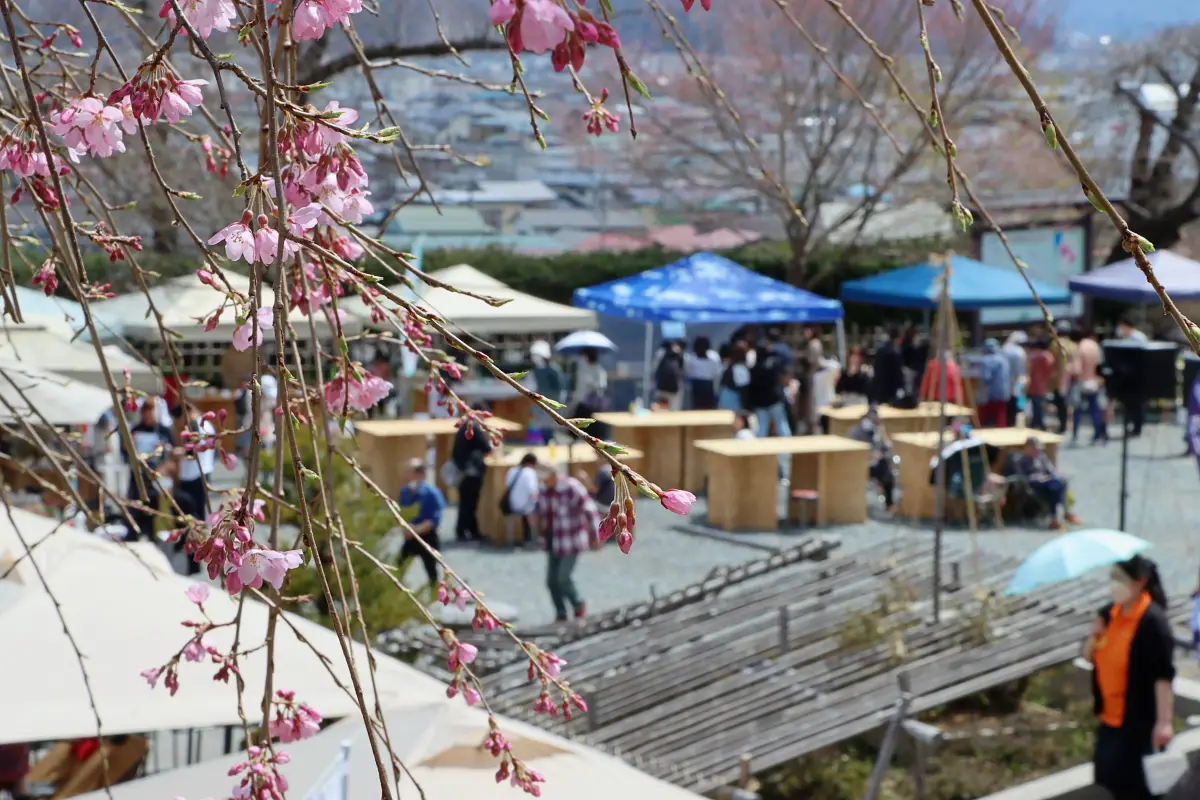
(439, 745)
(184, 303)
(125, 616)
(523, 314)
(35, 306)
(38, 346)
(57, 399)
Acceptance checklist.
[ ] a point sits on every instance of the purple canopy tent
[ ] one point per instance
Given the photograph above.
(1124, 282)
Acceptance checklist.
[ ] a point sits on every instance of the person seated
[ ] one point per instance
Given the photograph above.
(743, 428)
(870, 430)
(1037, 470)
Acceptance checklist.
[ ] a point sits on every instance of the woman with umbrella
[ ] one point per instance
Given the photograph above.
(1131, 648)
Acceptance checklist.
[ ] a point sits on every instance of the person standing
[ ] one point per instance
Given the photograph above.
(520, 498)
(569, 523)
(1042, 367)
(703, 368)
(155, 444)
(1086, 384)
(995, 387)
(549, 382)
(735, 379)
(887, 385)
(1135, 414)
(195, 472)
(1131, 648)
(669, 376)
(1014, 353)
(765, 395)
(853, 385)
(931, 382)
(469, 454)
(421, 506)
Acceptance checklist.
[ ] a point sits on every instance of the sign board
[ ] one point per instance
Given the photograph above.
(1053, 255)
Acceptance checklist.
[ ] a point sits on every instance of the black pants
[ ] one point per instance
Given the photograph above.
(467, 527)
(704, 394)
(881, 471)
(143, 519)
(1060, 409)
(1118, 762)
(1135, 417)
(191, 499)
(1012, 410)
(413, 549)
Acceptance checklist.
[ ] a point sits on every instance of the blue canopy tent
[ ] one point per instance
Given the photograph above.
(973, 286)
(1125, 282)
(703, 289)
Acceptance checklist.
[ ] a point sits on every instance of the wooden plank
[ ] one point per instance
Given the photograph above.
(780, 445)
(665, 419)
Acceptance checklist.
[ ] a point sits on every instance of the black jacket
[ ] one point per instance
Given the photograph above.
(468, 453)
(1151, 659)
(888, 369)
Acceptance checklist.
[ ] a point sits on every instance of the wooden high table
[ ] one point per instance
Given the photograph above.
(574, 458)
(897, 420)
(666, 439)
(918, 499)
(743, 479)
(387, 445)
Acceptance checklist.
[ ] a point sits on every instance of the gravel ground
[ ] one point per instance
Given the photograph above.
(670, 553)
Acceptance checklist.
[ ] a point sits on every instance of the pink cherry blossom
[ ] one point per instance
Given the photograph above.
(293, 721)
(677, 501)
(543, 25)
(205, 16)
(266, 245)
(345, 394)
(461, 654)
(625, 541)
(259, 565)
(705, 4)
(501, 11)
(198, 593)
(311, 18)
(356, 206)
(87, 125)
(248, 333)
(46, 277)
(239, 241)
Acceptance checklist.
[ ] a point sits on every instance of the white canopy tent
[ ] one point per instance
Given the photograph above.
(439, 744)
(35, 395)
(184, 304)
(35, 306)
(39, 346)
(125, 615)
(524, 313)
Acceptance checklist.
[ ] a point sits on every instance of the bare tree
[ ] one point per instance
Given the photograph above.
(1164, 165)
(807, 116)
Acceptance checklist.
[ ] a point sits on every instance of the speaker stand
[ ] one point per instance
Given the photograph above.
(1124, 460)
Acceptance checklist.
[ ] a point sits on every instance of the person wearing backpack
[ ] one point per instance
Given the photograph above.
(520, 497)
(668, 376)
(765, 397)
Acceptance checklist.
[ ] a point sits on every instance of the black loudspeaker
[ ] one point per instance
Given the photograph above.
(1139, 371)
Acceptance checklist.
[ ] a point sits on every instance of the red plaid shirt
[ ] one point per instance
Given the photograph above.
(569, 517)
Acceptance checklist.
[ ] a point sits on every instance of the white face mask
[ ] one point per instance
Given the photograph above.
(1120, 591)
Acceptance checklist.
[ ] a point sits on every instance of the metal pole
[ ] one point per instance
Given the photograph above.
(1124, 460)
(346, 768)
(888, 748)
(940, 513)
(648, 365)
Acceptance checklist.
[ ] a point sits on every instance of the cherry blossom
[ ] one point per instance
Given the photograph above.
(312, 17)
(198, 593)
(261, 778)
(344, 393)
(205, 16)
(461, 653)
(259, 565)
(47, 278)
(705, 4)
(248, 333)
(537, 26)
(238, 239)
(293, 721)
(87, 125)
(677, 501)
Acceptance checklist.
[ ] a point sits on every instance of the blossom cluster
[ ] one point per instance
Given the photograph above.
(293, 721)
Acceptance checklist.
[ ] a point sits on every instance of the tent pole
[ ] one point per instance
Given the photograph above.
(943, 345)
(647, 364)
(840, 329)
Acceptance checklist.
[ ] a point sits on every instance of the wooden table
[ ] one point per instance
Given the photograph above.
(743, 479)
(918, 499)
(666, 438)
(574, 458)
(387, 445)
(897, 420)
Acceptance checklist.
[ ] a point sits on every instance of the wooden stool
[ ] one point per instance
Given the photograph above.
(806, 500)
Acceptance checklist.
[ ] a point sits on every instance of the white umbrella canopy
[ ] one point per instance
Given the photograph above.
(439, 744)
(185, 303)
(124, 613)
(524, 313)
(35, 396)
(33, 345)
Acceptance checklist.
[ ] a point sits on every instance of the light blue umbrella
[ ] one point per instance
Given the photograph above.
(585, 340)
(1072, 555)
